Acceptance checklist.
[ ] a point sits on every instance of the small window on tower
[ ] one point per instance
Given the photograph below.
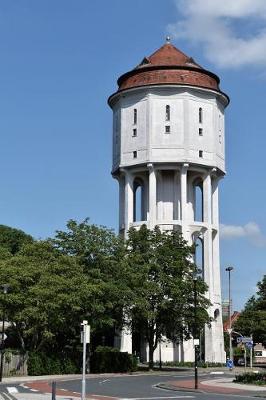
(200, 115)
(135, 118)
(200, 153)
(167, 113)
(135, 154)
(200, 132)
(134, 133)
(167, 129)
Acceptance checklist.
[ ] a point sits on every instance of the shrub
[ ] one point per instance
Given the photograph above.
(251, 377)
(109, 359)
(43, 364)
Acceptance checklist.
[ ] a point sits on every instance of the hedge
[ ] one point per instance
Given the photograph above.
(251, 378)
(43, 364)
(108, 359)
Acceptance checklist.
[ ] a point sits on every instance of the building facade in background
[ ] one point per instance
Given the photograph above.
(168, 157)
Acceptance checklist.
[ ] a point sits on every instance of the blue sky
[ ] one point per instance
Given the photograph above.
(59, 63)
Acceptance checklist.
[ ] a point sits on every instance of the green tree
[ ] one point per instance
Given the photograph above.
(162, 281)
(13, 239)
(48, 297)
(253, 318)
(101, 255)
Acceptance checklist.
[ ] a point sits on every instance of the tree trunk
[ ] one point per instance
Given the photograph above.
(151, 351)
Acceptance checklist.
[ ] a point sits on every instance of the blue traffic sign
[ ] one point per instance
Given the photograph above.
(249, 345)
(229, 364)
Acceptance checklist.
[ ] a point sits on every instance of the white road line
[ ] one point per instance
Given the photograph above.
(158, 398)
(12, 389)
(105, 380)
(217, 373)
(6, 396)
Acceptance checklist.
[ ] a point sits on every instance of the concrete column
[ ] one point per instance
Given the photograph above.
(129, 200)
(215, 201)
(207, 199)
(152, 197)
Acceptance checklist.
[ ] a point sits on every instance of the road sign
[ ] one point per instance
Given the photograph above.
(249, 344)
(244, 339)
(229, 330)
(87, 334)
(229, 364)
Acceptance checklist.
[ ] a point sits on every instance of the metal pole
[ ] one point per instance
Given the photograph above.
(245, 357)
(2, 347)
(195, 333)
(251, 353)
(229, 269)
(83, 389)
(53, 390)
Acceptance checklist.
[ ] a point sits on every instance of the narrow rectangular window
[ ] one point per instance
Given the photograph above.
(200, 132)
(135, 118)
(167, 129)
(134, 133)
(167, 113)
(200, 153)
(200, 115)
(135, 154)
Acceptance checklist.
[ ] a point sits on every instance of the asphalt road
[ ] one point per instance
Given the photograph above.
(142, 387)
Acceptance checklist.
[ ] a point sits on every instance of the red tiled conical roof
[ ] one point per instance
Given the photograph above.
(168, 55)
(168, 66)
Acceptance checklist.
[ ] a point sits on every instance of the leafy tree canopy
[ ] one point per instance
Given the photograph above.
(101, 255)
(253, 318)
(162, 280)
(49, 295)
(13, 239)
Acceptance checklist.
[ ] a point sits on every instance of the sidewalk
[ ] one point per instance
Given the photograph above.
(223, 385)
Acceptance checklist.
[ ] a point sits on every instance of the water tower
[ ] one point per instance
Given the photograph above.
(168, 157)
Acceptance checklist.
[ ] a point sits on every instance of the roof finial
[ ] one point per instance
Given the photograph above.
(168, 39)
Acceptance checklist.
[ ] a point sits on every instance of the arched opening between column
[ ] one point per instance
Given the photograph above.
(198, 200)
(138, 207)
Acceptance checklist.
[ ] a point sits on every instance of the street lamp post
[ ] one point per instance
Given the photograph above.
(196, 340)
(5, 290)
(229, 269)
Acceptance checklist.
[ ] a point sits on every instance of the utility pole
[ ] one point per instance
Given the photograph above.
(5, 290)
(195, 339)
(83, 385)
(229, 269)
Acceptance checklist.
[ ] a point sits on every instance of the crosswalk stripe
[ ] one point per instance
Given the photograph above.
(12, 389)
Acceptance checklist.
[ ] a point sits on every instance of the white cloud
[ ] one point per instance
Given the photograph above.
(251, 231)
(214, 25)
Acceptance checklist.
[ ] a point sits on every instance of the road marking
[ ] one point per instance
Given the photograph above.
(8, 396)
(158, 398)
(12, 389)
(106, 380)
(217, 373)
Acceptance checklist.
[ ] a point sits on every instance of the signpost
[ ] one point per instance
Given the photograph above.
(85, 338)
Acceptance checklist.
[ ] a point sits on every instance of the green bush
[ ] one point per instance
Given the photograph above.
(190, 364)
(251, 378)
(43, 364)
(109, 359)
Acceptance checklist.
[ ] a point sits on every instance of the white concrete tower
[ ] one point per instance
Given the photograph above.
(168, 157)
